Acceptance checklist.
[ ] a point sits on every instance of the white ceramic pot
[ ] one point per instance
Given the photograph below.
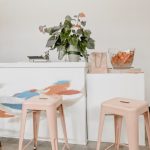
(72, 56)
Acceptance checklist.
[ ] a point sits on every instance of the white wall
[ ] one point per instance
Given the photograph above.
(114, 24)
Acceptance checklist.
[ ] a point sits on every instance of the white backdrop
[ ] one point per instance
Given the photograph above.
(114, 24)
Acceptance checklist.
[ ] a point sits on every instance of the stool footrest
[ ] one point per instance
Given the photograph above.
(27, 144)
(66, 146)
(109, 146)
(114, 144)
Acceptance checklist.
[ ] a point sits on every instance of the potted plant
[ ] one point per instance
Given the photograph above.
(70, 37)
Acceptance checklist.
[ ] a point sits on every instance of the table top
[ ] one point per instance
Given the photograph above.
(44, 65)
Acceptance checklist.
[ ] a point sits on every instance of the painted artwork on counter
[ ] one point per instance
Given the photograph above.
(19, 84)
(10, 106)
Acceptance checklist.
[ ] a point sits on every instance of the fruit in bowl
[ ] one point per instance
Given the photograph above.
(121, 59)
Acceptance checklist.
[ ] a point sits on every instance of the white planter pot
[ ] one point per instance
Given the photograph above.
(72, 56)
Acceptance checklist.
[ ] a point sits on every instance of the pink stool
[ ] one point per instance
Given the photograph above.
(50, 104)
(131, 110)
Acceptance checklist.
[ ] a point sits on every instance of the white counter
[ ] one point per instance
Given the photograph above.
(60, 77)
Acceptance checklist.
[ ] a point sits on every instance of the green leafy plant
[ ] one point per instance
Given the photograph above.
(71, 32)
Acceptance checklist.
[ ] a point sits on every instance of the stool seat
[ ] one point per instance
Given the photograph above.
(42, 101)
(120, 106)
(130, 110)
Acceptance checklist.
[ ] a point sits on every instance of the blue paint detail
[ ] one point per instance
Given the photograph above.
(13, 106)
(62, 82)
(26, 94)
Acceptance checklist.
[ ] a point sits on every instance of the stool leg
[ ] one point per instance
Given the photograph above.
(52, 124)
(118, 125)
(36, 121)
(22, 129)
(147, 125)
(101, 124)
(132, 131)
(62, 117)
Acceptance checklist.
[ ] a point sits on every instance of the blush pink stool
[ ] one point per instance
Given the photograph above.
(131, 110)
(50, 104)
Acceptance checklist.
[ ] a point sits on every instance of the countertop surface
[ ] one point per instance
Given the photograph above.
(44, 65)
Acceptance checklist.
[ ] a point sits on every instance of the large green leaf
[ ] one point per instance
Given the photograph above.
(55, 28)
(79, 31)
(83, 38)
(87, 33)
(83, 23)
(67, 24)
(68, 18)
(51, 41)
(61, 52)
(64, 35)
(91, 44)
(48, 30)
(58, 42)
(85, 55)
(74, 40)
